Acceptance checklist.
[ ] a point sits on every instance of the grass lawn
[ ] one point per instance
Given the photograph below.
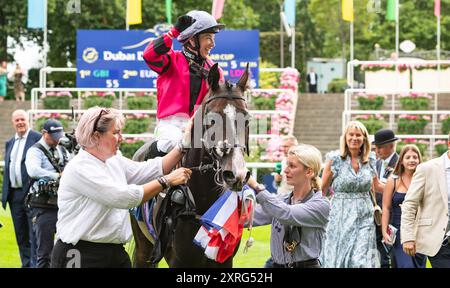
(255, 258)
(9, 253)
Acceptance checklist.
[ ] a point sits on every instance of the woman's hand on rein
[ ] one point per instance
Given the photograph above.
(179, 176)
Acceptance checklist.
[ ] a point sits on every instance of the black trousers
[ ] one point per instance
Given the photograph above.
(89, 255)
(442, 258)
(312, 263)
(23, 227)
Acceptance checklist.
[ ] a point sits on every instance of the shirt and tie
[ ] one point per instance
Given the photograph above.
(384, 165)
(15, 173)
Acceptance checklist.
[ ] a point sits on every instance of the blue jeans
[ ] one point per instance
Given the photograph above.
(44, 221)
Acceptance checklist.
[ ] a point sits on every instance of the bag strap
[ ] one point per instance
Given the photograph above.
(49, 156)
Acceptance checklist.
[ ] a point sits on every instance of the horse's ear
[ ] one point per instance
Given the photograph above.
(244, 82)
(214, 77)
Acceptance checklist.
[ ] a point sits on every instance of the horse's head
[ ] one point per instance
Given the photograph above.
(225, 129)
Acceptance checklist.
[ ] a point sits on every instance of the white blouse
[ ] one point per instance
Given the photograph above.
(94, 197)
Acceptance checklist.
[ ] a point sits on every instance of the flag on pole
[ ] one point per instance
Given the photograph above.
(390, 11)
(437, 8)
(347, 10)
(289, 11)
(169, 11)
(134, 12)
(36, 11)
(217, 8)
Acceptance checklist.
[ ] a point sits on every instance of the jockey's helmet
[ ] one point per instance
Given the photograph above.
(204, 23)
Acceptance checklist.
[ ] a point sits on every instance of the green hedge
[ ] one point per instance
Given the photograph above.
(414, 103)
(128, 149)
(38, 123)
(441, 149)
(264, 103)
(141, 102)
(57, 102)
(370, 103)
(445, 126)
(422, 147)
(101, 101)
(407, 126)
(136, 126)
(373, 125)
(337, 86)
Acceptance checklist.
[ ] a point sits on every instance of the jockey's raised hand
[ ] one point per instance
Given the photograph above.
(183, 22)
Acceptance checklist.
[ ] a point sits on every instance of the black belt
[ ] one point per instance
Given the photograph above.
(312, 263)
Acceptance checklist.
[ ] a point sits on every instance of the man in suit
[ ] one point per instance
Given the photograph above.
(16, 184)
(425, 217)
(312, 80)
(387, 159)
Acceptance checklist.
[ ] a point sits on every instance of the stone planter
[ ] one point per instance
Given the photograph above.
(431, 79)
(387, 80)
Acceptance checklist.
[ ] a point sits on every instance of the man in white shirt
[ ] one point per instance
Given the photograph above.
(311, 78)
(387, 159)
(45, 162)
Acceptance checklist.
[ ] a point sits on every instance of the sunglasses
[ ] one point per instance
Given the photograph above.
(102, 112)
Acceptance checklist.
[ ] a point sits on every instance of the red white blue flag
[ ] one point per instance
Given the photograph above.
(222, 225)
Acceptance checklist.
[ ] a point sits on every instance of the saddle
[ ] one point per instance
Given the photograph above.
(178, 203)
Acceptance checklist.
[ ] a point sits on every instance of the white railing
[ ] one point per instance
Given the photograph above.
(392, 93)
(347, 116)
(352, 64)
(36, 92)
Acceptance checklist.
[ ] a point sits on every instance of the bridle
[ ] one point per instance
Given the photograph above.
(212, 150)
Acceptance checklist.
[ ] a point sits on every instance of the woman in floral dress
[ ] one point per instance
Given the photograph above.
(351, 172)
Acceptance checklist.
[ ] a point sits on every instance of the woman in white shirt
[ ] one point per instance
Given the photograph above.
(98, 187)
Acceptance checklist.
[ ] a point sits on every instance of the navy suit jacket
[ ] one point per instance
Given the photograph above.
(32, 138)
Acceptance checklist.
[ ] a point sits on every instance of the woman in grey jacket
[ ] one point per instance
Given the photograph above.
(299, 218)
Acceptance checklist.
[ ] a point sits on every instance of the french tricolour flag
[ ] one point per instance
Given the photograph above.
(222, 226)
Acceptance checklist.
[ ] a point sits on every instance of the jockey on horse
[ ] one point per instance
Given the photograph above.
(182, 75)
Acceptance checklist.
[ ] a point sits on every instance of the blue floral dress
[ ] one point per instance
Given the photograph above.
(350, 236)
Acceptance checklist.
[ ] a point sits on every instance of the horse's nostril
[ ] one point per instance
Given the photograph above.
(228, 176)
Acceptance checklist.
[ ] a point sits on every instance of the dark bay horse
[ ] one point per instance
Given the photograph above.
(219, 140)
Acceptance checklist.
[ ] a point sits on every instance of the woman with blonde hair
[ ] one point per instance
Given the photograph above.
(393, 196)
(298, 218)
(98, 187)
(351, 172)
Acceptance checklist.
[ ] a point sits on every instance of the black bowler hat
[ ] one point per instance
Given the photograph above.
(384, 136)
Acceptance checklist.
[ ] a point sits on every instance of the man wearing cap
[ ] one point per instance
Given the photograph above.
(45, 162)
(387, 159)
(182, 75)
(16, 186)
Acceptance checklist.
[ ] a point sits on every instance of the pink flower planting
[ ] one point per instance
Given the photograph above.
(137, 116)
(98, 93)
(281, 123)
(51, 115)
(369, 116)
(133, 140)
(416, 95)
(440, 142)
(415, 117)
(57, 94)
